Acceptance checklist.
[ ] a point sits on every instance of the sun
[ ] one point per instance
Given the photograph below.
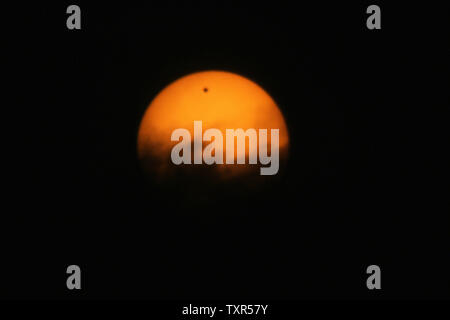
(221, 100)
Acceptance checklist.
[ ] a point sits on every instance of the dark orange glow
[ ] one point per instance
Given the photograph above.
(219, 99)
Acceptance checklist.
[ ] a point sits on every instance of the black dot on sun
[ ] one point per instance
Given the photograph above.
(205, 89)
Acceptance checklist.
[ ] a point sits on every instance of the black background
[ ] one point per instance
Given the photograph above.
(366, 182)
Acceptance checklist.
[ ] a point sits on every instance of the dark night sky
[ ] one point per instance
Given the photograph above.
(366, 182)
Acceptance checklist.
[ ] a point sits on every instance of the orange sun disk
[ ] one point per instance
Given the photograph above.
(221, 100)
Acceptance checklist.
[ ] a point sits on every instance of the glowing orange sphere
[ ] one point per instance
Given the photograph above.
(221, 100)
